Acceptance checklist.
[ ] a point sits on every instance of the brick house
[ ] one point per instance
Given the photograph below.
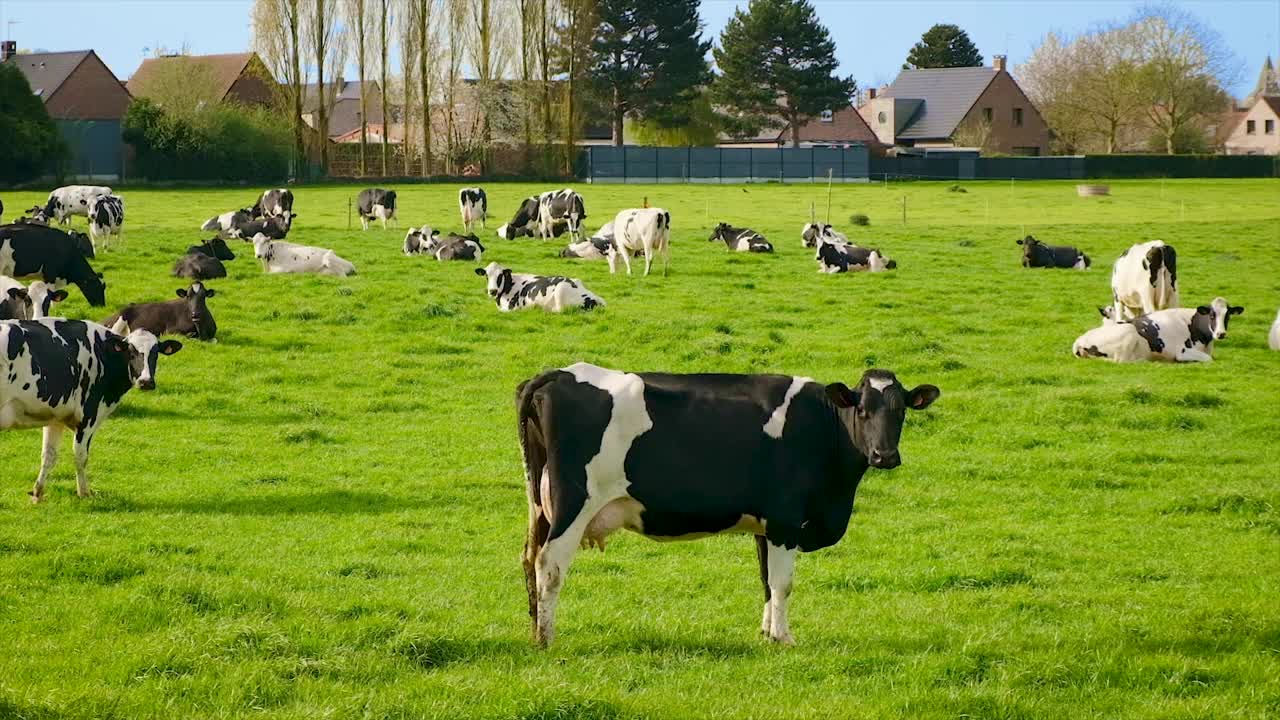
(86, 101)
(950, 107)
(833, 128)
(238, 77)
(343, 108)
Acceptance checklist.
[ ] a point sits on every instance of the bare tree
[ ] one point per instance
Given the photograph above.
(276, 39)
(359, 25)
(327, 49)
(384, 48)
(528, 58)
(544, 58)
(422, 24)
(457, 49)
(573, 48)
(408, 65)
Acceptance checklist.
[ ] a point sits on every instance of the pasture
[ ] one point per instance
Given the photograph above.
(321, 515)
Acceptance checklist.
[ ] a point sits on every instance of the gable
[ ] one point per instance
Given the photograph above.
(90, 92)
(947, 95)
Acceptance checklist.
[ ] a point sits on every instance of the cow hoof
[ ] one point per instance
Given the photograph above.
(783, 639)
(85, 494)
(35, 499)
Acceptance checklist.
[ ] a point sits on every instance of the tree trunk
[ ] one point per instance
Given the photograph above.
(364, 101)
(525, 77)
(295, 62)
(386, 111)
(486, 76)
(424, 78)
(795, 129)
(322, 111)
(546, 87)
(618, 117)
(1168, 140)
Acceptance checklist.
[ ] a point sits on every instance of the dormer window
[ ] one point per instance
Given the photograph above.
(827, 116)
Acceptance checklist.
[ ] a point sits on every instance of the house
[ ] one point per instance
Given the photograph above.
(343, 105)
(238, 78)
(832, 128)
(1268, 84)
(1257, 133)
(979, 107)
(86, 101)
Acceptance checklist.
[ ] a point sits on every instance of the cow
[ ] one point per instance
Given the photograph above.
(106, 217)
(474, 206)
(69, 374)
(1145, 279)
(643, 229)
(550, 214)
(595, 247)
(517, 291)
(1, 212)
(278, 256)
(740, 239)
(274, 203)
(274, 228)
(376, 204)
(1036, 254)
(204, 262)
(682, 457)
(1273, 340)
(420, 241)
(72, 200)
(811, 233)
(56, 257)
(227, 223)
(15, 301)
(34, 216)
(457, 247)
(189, 316)
(1173, 335)
(838, 257)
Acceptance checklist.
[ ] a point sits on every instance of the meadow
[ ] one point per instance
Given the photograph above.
(321, 515)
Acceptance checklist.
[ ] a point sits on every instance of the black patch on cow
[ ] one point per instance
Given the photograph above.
(216, 248)
(54, 256)
(831, 256)
(1163, 256)
(1037, 254)
(1200, 328)
(269, 200)
(1093, 351)
(1149, 330)
(374, 196)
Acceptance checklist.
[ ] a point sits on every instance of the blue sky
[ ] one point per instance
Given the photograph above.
(872, 36)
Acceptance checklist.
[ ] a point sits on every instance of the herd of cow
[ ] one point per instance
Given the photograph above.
(776, 457)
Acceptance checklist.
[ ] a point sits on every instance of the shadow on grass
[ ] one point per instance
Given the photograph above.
(9, 709)
(433, 653)
(335, 502)
(685, 647)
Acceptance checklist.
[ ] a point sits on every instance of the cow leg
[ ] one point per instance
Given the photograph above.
(535, 538)
(1193, 355)
(762, 555)
(552, 566)
(782, 564)
(84, 437)
(648, 258)
(626, 258)
(364, 223)
(48, 458)
(666, 256)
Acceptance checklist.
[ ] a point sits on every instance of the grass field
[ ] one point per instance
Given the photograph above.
(321, 515)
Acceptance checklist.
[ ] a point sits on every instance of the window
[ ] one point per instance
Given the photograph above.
(1017, 117)
(826, 116)
(986, 114)
(1269, 126)
(882, 118)
(1250, 127)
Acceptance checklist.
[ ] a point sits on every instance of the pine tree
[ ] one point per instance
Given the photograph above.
(943, 46)
(649, 60)
(777, 62)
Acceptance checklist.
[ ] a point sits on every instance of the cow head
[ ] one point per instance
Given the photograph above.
(262, 247)
(1210, 321)
(420, 240)
(721, 230)
(217, 247)
(519, 225)
(1030, 246)
(36, 216)
(1108, 314)
(15, 302)
(142, 349)
(500, 279)
(873, 413)
(43, 296)
(811, 233)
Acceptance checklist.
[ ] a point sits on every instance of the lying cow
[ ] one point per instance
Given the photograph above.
(1036, 254)
(188, 316)
(646, 230)
(274, 203)
(376, 204)
(70, 374)
(278, 256)
(106, 218)
(681, 457)
(227, 223)
(1173, 335)
(71, 200)
(54, 256)
(812, 233)
(274, 228)
(548, 215)
(837, 257)
(474, 206)
(204, 262)
(595, 247)
(517, 291)
(740, 239)
(1144, 280)
(457, 247)
(419, 241)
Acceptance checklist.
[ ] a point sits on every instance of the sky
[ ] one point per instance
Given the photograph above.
(872, 36)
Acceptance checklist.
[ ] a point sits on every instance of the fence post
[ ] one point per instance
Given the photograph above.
(904, 209)
(624, 164)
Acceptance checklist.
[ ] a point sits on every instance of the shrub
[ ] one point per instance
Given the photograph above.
(860, 219)
(957, 189)
(31, 146)
(221, 142)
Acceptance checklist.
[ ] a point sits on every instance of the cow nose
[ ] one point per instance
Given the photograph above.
(146, 384)
(1221, 335)
(885, 460)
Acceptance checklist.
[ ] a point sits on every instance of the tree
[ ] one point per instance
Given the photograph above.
(1183, 64)
(32, 145)
(408, 64)
(702, 129)
(384, 62)
(573, 54)
(943, 46)
(422, 25)
(777, 63)
(359, 23)
(650, 60)
(276, 36)
(327, 52)
(457, 49)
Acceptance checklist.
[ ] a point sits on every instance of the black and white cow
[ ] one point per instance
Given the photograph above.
(106, 218)
(811, 233)
(1273, 340)
(1173, 335)
(376, 204)
(420, 241)
(1036, 254)
(457, 247)
(204, 262)
(1145, 279)
(548, 215)
(274, 228)
(682, 457)
(69, 374)
(15, 302)
(227, 223)
(52, 255)
(72, 200)
(596, 247)
(34, 216)
(838, 257)
(646, 230)
(474, 206)
(188, 315)
(1, 212)
(740, 239)
(518, 291)
(278, 256)
(274, 203)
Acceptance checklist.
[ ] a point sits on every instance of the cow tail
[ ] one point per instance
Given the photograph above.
(1170, 258)
(533, 447)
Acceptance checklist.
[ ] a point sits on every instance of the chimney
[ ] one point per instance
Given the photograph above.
(8, 49)
(871, 93)
(999, 63)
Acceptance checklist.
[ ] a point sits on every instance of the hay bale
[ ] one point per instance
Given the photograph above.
(1093, 190)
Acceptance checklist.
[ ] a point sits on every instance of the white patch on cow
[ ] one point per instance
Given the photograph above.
(880, 384)
(1131, 284)
(278, 256)
(7, 263)
(1117, 342)
(782, 565)
(778, 419)
(1080, 265)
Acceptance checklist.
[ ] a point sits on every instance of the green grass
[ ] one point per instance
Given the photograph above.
(321, 515)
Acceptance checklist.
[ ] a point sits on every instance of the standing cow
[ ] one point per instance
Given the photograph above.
(106, 218)
(376, 204)
(548, 215)
(1036, 254)
(56, 257)
(274, 203)
(72, 200)
(677, 457)
(474, 206)
(1144, 280)
(641, 229)
(70, 374)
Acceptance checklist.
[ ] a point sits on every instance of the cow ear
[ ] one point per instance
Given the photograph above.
(1018, 242)
(922, 396)
(1204, 310)
(1235, 310)
(169, 347)
(100, 276)
(210, 292)
(480, 271)
(842, 396)
(182, 292)
(60, 295)
(117, 344)
(15, 293)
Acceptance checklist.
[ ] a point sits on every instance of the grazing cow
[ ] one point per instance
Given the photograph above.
(72, 200)
(189, 316)
(474, 206)
(1173, 335)
(550, 214)
(838, 257)
(204, 262)
(56, 257)
(43, 296)
(69, 374)
(811, 233)
(643, 229)
(274, 228)
(1274, 339)
(420, 241)
(15, 302)
(376, 204)
(1036, 254)
(740, 239)
(106, 217)
(682, 457)
(227, 223)
(1144, 280)
(274, 203)
(278, 256)
(517, 291)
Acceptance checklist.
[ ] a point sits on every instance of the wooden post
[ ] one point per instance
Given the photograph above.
(646, 201)
(348, 213)
(904, 209)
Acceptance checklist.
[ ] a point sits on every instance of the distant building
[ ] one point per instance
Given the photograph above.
(832, 128)
(343, 106)
(86, 101)
(1258, 132)
(239, 77)
(947, 107)
(1268, 84)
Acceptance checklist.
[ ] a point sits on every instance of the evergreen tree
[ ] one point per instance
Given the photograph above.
(649, 60)
(777, 63)
(32, 146)
(943, 46)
